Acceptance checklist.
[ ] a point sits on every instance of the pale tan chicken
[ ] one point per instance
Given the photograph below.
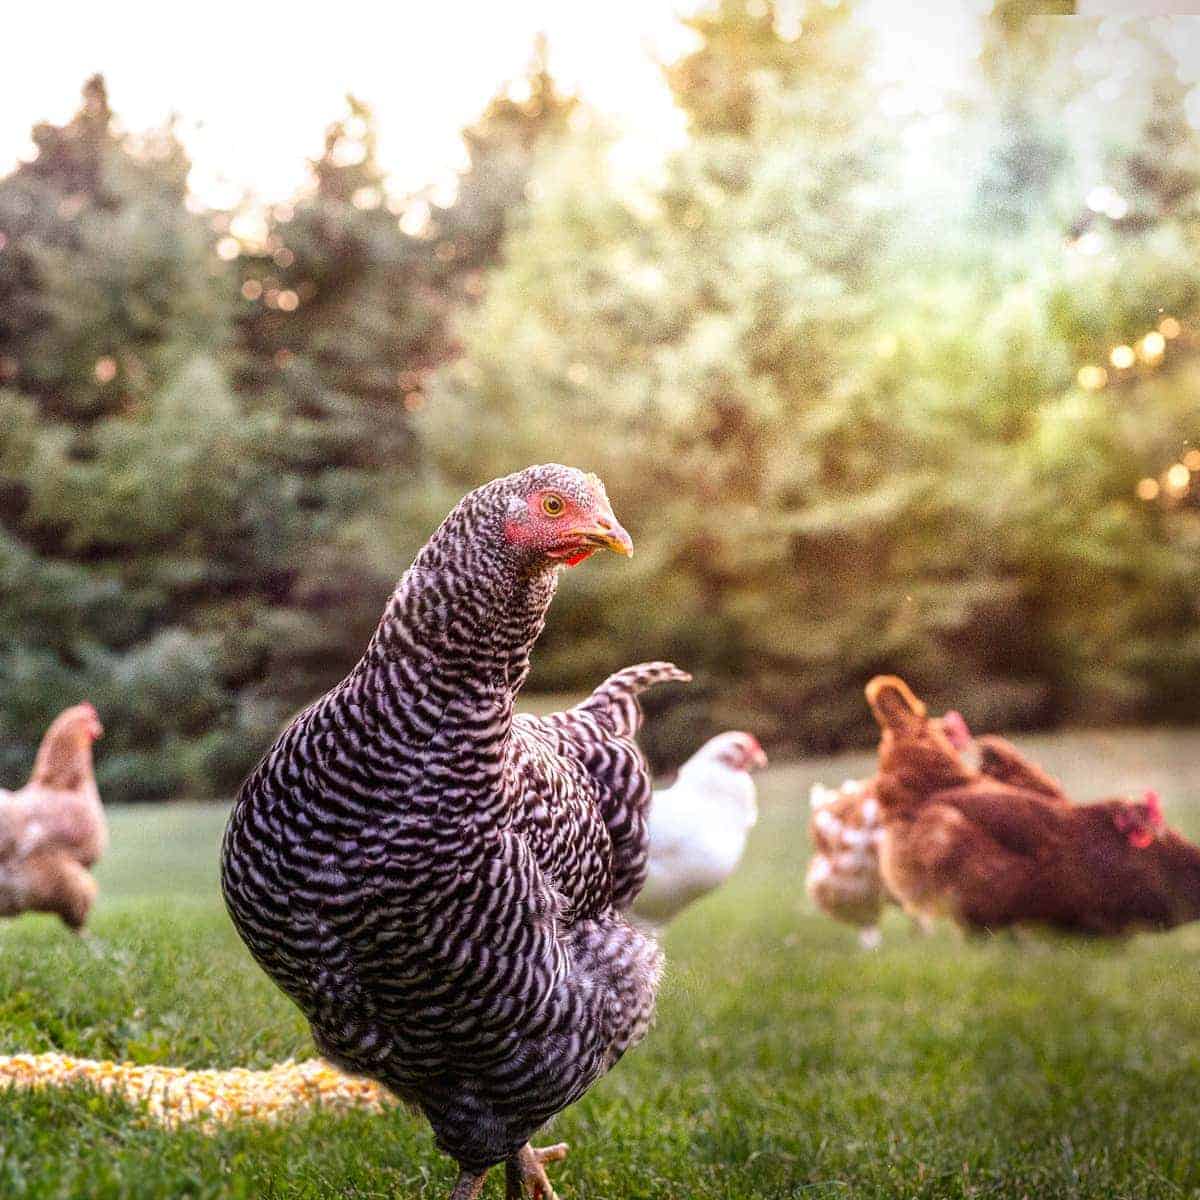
(53, 829)
(843, 875)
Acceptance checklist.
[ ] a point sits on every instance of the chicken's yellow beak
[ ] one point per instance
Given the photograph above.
(606, 532)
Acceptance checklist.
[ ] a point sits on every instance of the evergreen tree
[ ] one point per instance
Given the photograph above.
(841, 448)
(1008, 332)
(1026, 77)
(1161, 168)
(704, 352)
(521, 123)
(201, 414)
(344, 317)
(147, 534)
(331, 318)
(345, 313)
(1129, 647)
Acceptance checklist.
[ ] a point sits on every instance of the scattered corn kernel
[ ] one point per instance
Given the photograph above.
(174, 1094)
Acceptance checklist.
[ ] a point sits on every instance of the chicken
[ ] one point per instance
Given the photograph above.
(53, 829)
(992, 853)
(699, 825)
(843, 878)
(436, 883)
(1002, 762)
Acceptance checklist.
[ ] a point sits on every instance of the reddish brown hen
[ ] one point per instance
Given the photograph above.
(847, 826)
(1007, 848)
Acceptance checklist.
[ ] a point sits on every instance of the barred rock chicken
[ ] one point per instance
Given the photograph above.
(53, 829)
(699, 825)
(437, 883)
(993, 853)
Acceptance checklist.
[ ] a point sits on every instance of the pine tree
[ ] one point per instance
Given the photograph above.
(1129, 648)
(842, 446)
(521, 123)
(147, 530)
(1025, 54)
(331, 317)
(1161, 168)
(706, 351)
(344, 317)
(1007, 333)
(345, 313)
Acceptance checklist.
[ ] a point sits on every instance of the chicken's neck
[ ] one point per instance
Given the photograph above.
(455, 641)
(63, 763)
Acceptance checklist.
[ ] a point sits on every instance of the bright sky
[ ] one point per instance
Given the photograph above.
(1136, 8)
(255, 84)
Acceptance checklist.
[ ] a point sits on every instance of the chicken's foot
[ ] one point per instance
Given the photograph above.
(525, 1175)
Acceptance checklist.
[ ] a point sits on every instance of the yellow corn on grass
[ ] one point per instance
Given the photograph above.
(171, 1095)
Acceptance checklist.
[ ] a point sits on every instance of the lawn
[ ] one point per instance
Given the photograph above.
(785, 1062)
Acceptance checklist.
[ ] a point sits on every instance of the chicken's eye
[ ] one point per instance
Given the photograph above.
(552, 505)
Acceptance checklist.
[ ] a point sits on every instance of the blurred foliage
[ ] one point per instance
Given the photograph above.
(842, 415)
(197, 414)
(848, 372)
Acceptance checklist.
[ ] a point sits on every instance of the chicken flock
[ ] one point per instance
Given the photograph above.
(993, 845)
(1001, 845)
(464, 900)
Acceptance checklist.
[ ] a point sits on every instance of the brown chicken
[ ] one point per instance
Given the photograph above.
(53, 829)
(844, 879)
(1002, 762)
(1007, 848)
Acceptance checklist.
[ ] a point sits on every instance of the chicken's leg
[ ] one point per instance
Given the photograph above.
(525, 1175)
(469, 1185)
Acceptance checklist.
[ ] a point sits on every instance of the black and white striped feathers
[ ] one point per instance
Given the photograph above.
(435, 883)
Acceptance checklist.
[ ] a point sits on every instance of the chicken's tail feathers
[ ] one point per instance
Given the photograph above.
(615, 702)
(638, 678)
(895, 706)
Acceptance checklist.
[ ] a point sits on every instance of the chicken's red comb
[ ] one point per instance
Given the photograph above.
(1153, 807)
(956, 729)
(756, 755)
(88, 711)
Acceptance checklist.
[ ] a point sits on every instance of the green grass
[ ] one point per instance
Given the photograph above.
(785, 1063)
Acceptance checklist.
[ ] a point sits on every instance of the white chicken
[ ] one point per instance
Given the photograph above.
(699, 825)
